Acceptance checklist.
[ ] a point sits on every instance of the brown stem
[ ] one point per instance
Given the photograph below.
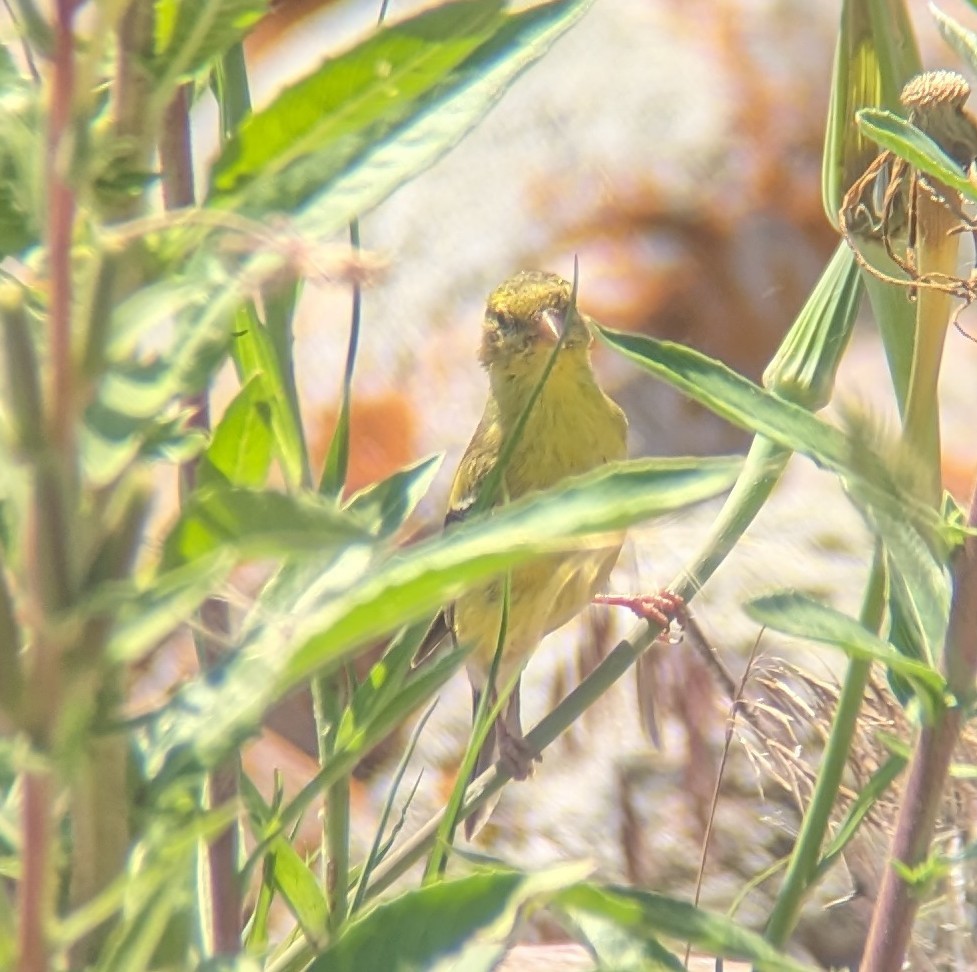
(61, 215)
(35, 890)
(176, 161)
(897, 903)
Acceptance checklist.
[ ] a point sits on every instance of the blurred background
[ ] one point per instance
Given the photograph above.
(675, 148)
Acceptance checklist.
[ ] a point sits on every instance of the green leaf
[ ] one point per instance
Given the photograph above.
(455, 109)
(429, 575)
(917, 148)
(619, 949)
(343, 182)
(152, 896)
(746, 405)
(256, 524)
(802, 616)
(315, 618)
(300, 889)
(191, 35)
(241, 448)
(256, 360)
(465, 923)
(385, 506)
(112, 439)
(642, 916)
(351, 99)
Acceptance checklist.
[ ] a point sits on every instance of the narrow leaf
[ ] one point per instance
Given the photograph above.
(256, 360)
(917, 148)
(385, 506)
(802, 616)
(644, 916)
(376, 83)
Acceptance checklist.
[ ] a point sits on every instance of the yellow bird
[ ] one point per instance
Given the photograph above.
(572, 428)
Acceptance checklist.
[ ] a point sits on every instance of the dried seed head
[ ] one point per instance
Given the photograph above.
(935, 103)
(935, 89)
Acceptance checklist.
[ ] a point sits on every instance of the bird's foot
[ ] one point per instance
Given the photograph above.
(517, 756)
(662, 608)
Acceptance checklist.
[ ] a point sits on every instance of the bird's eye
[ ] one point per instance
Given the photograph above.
(500, 319)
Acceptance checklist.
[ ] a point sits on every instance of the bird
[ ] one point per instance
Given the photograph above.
(571, 428)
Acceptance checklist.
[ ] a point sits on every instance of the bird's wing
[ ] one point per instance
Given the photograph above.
(475, 465)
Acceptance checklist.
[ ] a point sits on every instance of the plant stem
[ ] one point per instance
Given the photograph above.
(897, 902)
(61, 216)
(49, 576)
(36, 888)
(329, 698)
(804, 858)
(224, 912)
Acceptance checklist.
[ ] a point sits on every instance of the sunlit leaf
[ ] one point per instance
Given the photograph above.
(645, 916)
(802, 616)
(464, 923)
(240, 451)
(257, 523)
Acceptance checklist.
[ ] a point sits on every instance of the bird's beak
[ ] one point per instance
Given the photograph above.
(549, 327)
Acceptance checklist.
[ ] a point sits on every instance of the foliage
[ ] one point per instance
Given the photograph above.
(117, 320)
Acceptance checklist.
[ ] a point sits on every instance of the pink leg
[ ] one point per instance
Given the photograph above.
(661, 608)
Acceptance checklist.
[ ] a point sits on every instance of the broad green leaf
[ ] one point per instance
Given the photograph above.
(918, 149)
(351, 98)
(256, 360)
(645, 916)
(746, 405)
(465, 923)
(311, 623)
(300, 888)
(257, 523)
(241, 448)
(801, 616)
(386, 505)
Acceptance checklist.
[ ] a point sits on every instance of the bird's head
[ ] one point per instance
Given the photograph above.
(524, 320)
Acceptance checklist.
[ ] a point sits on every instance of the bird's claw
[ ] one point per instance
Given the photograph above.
(662, 608)
(517, 756)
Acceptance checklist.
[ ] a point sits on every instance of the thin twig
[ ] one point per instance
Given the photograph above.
(734, 710)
